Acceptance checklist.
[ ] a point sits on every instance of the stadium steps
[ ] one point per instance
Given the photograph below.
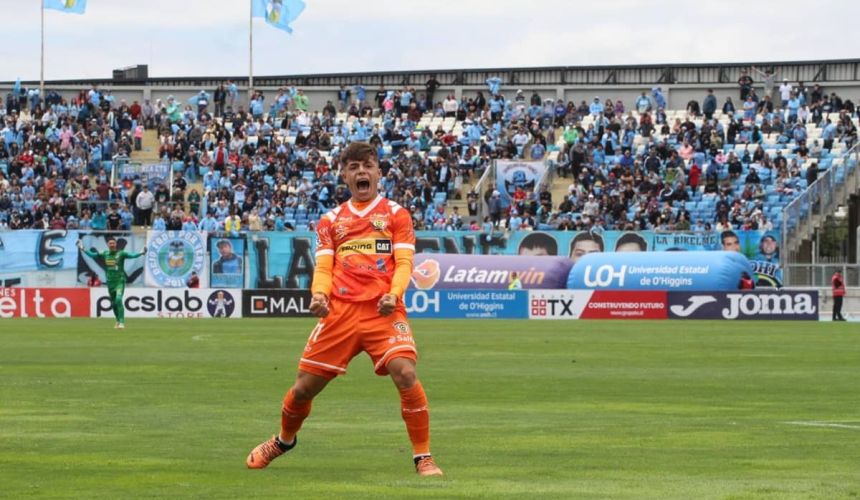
(149, 151)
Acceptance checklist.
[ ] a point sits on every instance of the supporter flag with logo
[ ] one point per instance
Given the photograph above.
(68, 6)
(278, 13)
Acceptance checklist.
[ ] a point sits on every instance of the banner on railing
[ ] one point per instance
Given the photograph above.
(97, 241)
(511, 174)
(153, 174)
(172, 256)
(280, 260)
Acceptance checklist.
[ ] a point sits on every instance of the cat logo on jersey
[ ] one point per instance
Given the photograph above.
(379, 222)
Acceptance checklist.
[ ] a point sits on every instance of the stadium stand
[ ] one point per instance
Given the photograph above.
(274, 166)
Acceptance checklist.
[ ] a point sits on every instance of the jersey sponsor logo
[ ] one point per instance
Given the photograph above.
(365, 247)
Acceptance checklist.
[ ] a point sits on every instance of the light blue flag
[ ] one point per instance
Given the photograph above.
(17, 88)
(278, 13)
(68, 6)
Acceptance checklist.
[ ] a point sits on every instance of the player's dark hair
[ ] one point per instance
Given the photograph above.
(358, 151)
(540, 240)
(587, 236)
(632, 238)
(726, 235)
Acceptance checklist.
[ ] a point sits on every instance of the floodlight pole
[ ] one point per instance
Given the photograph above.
(42, 65)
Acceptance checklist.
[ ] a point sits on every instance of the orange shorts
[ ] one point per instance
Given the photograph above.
(353, 327)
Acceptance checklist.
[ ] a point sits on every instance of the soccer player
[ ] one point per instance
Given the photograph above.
(365, 249)
(115, 266)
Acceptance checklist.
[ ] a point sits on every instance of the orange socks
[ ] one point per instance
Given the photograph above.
(293, 414)
(413, 407)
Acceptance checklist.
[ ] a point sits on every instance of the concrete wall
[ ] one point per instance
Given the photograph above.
(677, 95)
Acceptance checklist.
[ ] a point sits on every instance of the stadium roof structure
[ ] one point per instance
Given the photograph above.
(843, 70)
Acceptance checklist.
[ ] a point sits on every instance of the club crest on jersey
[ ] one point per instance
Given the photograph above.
(379, 222)
(401, 327)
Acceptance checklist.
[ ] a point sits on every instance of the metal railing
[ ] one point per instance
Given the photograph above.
(819, 275)
(843, 70)
(819, 195)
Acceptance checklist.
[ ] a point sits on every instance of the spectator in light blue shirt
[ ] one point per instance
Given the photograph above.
(596, 107)
(209, 223)
(159, 224)
(494, 83)
(659, 99)
(793, 107)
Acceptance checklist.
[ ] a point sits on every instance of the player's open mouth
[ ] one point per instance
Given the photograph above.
(363, 185)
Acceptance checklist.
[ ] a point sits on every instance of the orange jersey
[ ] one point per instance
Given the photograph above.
(363, 244)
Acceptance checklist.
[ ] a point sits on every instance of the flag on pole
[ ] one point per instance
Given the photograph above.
(17, 88)
(68, 6)
(278, 13)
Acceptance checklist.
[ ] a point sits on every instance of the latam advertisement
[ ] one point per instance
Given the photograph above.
(680, 271)
(759, 305)
(489, 272)
(189, 303)
(44, 303)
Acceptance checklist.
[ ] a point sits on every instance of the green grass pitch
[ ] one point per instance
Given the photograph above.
(575, 409)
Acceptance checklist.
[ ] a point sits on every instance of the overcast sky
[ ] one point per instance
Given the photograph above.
(210, 37)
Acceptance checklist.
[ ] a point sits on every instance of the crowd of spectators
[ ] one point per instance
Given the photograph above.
(273, 164)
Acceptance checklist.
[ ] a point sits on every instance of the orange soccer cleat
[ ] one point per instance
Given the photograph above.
(425, 466)
(265, 452)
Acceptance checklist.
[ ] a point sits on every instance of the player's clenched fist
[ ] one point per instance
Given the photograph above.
(319, 305)
(387, 303)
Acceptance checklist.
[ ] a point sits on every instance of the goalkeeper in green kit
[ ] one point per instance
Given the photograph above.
(115, 266)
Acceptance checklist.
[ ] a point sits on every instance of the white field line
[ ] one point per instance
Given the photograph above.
(825, 424)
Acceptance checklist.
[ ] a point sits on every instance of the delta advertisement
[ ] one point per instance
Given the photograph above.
(188, 303)
(44, 303)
